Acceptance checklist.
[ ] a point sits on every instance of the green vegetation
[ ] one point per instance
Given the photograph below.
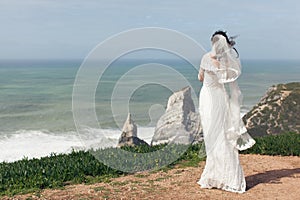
(51, 172)
(283, 144)
(56, 171)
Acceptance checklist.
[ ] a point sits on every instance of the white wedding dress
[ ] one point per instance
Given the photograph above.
(223, 130)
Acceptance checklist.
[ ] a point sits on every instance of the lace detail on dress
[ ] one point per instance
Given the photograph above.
(210, 183)
(206, 63)
(241, 140)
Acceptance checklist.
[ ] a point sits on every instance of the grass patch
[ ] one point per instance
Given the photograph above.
(162, 178)
(100, 188)
(135, 182)
(119, 183)
(285, 145)
(141, 175)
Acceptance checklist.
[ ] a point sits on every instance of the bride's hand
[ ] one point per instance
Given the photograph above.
(201, 76)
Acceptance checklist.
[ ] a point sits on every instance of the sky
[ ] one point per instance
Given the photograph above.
(70, 29)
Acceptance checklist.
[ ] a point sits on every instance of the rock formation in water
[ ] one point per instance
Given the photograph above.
(277, 112)
(180, 123)
(129, 134)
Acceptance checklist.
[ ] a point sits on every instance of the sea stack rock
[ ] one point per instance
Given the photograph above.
(129, 134)
(180, 123)
(277, 112)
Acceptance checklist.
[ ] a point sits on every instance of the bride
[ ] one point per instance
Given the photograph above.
(223, 130)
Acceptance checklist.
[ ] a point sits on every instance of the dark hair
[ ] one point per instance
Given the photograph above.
(229, 41)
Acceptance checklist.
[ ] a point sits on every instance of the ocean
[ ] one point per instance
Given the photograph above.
(36, 116)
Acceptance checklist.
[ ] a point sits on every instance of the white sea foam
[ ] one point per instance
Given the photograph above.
(39, 143)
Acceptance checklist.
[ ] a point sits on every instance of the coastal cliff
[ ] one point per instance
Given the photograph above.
(277, 112)
(180, 123)
(129, 134)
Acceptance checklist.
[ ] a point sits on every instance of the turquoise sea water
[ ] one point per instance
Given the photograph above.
(36, 100)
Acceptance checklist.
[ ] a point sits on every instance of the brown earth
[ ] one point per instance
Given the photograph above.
(268, 177)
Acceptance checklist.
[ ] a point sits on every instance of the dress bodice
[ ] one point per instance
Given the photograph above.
(227, 71)
(211, 79)
(211, 76)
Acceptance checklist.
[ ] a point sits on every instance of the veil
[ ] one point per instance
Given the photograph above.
(228, 72)
(230, 68)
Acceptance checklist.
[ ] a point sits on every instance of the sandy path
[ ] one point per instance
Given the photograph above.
(268, 177)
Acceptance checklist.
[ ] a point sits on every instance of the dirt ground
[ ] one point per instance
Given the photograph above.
(267, 177)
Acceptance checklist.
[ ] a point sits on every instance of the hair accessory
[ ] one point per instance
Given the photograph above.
(231, 40)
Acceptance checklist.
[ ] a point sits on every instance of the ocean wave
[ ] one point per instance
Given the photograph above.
(40, 143)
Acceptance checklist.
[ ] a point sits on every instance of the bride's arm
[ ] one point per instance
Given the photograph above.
(201, 75)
